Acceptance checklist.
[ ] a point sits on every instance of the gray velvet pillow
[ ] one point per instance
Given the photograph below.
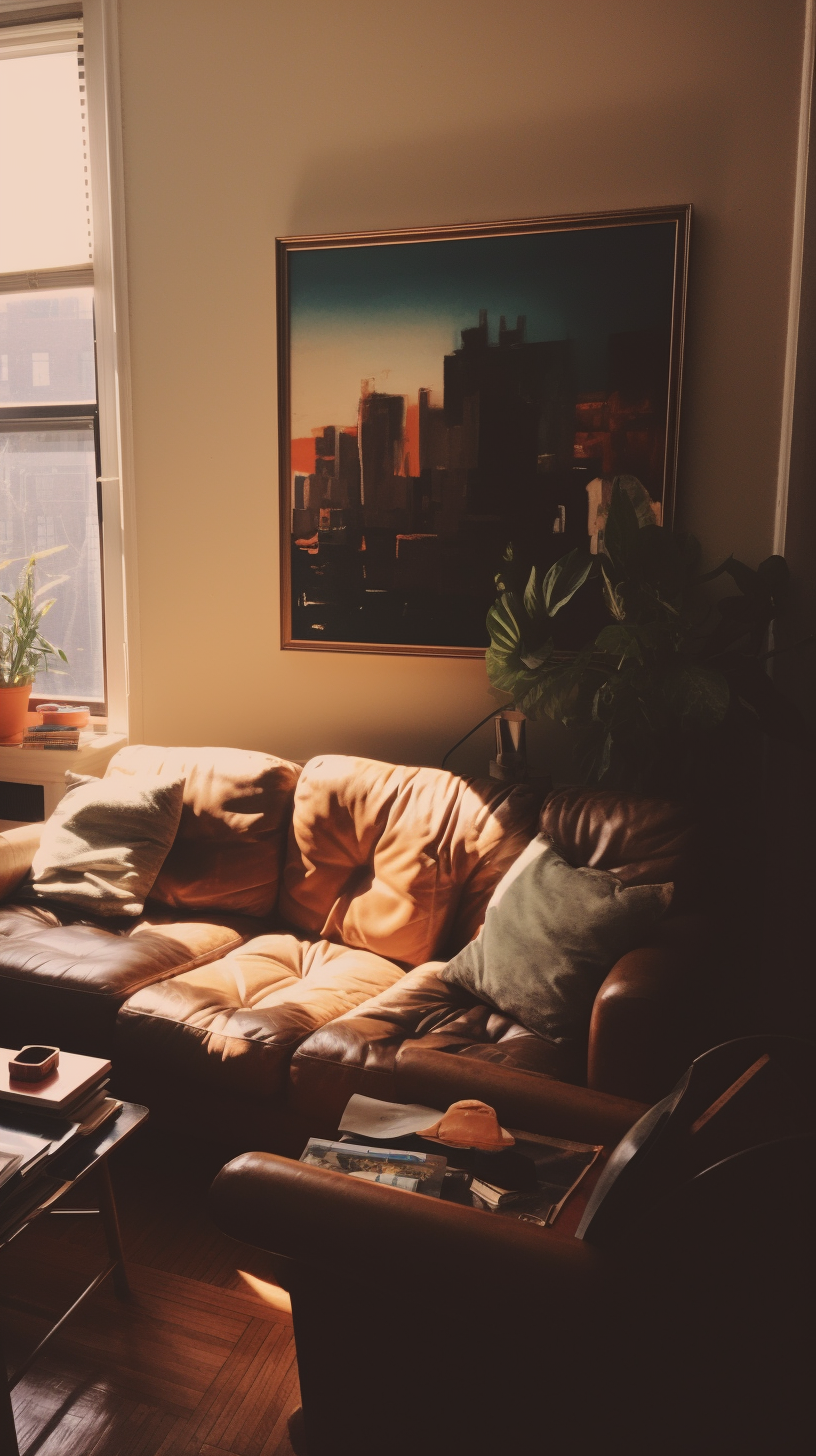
(551, 935)
(105, 843)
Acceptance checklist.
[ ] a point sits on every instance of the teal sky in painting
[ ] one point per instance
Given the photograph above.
(391, 312)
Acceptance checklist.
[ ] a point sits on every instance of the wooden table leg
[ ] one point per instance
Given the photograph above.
(110, 1223)
(8, 1432)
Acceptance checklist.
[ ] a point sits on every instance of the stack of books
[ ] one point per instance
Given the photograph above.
(40, 1119)
(49, 735)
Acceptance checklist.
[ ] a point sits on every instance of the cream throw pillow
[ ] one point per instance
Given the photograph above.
(105, 843)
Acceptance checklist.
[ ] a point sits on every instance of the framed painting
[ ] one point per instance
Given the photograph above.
(447, 392)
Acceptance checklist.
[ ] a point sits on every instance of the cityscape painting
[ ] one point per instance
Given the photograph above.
(448, 393)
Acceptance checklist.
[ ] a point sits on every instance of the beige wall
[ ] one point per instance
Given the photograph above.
(247, 119)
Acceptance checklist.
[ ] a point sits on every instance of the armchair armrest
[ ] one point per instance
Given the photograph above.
(654, 1000)
(17, 850)
(307, 1213)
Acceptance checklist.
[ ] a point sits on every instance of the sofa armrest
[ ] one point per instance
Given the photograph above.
(17, 850)
(649, 1017)
(527, 1100)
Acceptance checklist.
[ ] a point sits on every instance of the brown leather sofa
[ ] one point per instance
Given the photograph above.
(289, 953)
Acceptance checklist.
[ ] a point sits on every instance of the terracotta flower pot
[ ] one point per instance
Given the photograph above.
(14, 712)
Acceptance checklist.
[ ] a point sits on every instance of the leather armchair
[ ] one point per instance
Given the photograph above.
(425, 1325)
(421, 1325)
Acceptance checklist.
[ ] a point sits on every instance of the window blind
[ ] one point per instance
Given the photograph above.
(45, 217)
(48, 37)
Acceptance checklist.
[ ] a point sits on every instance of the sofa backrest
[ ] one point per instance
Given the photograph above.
(643, 841)
(399, 861)
(230, 844)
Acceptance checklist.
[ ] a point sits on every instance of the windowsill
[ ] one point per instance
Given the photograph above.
(47, 766)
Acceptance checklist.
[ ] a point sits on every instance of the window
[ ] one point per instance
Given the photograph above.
(40, 371)
(66, 473)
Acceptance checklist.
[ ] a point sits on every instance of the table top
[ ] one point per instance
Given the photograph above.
(28, 1199)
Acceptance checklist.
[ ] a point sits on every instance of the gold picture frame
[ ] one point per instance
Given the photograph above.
(495, 366)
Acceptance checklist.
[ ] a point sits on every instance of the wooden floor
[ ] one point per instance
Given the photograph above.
(200, 1362)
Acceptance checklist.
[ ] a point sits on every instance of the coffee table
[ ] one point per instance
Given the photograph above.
(41, 1195)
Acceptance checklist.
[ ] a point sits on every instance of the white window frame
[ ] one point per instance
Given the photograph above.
(109, 276)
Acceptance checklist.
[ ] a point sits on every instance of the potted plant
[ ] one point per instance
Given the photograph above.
(668, 674)
(23, 650)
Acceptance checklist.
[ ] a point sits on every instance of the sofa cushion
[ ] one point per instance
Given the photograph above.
(359, 1051)
(229, 847)
(398, 861)
(641, 841)
(235, 1023)
(63, 979)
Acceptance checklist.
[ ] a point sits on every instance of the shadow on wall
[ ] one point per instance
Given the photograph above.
(595, 158)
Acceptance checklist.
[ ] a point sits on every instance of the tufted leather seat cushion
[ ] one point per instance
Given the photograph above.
(63, 979)
(399, 861)
(235, 1023)
(229, 848)
(358, 1052)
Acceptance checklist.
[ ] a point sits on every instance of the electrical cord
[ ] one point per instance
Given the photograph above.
(470, 733)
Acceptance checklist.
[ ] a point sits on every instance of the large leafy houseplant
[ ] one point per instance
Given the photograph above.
(666, 669)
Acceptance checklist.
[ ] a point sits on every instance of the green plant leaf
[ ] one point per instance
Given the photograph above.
(697, 697)
(639, 496)
(533, 600)
(506, 668)
(619, 641)
(540, 656)
(614, 601)
(563, 580)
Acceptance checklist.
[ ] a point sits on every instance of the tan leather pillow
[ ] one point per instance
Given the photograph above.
(398, 860)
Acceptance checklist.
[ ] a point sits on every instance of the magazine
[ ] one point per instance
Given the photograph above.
(413, 1172)
(559, 1168)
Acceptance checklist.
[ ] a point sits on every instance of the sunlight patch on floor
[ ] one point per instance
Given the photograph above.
(270, 1293)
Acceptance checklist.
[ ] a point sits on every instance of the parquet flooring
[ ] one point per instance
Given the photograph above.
(201, 1360)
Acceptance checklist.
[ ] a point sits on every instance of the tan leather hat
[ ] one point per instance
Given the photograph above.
(469, 1124)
